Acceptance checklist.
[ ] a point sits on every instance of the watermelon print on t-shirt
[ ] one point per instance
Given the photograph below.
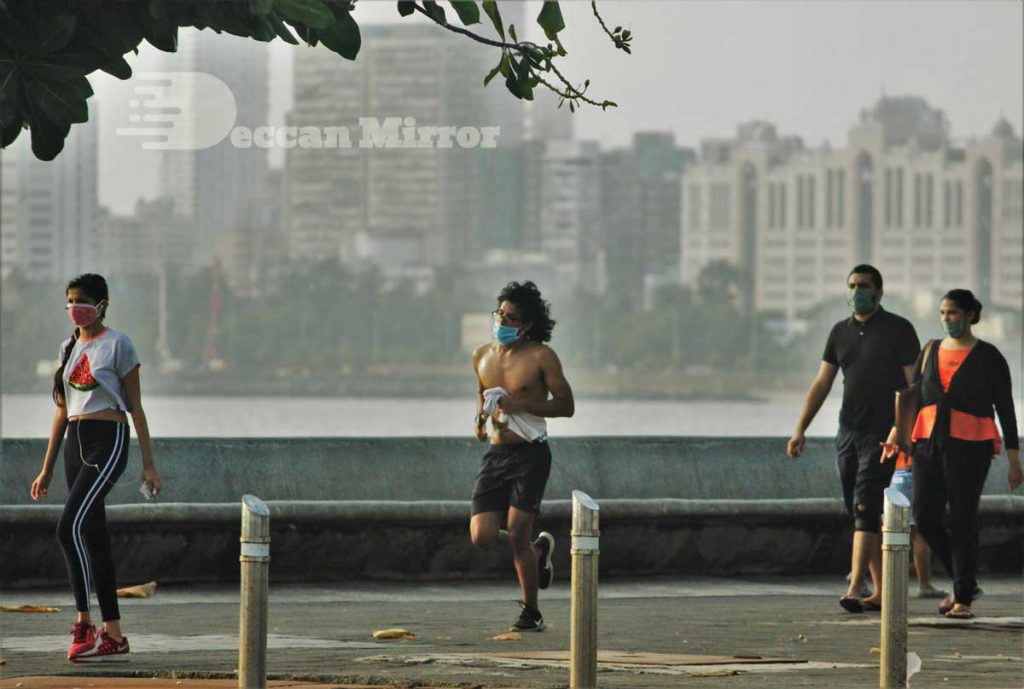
(81, 378)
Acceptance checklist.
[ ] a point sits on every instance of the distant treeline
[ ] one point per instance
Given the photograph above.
(327, 321)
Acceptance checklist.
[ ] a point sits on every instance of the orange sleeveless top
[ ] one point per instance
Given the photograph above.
(961, 426)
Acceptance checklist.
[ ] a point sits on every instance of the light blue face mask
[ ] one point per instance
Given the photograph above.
(505, 334)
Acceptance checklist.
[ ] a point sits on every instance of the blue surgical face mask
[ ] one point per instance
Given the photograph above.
(953, 328)
(505, 334)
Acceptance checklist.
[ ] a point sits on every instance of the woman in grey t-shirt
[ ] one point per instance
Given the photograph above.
(95, 388)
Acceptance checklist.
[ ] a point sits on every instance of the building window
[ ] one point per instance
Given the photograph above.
(810, 200)
(829, 196)
(719, 219)
(1013, 199)
(695, 209)
(782, 205)
(840, 198)
(929, 200)
(947, 203)
(917, 200)
(958, 203)
(771, 205)
(889, 193)
(801, 195)
(899, 197)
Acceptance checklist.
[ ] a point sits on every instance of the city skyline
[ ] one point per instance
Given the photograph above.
(810, 79)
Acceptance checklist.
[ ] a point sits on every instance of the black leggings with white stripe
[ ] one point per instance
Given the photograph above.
(95, 456)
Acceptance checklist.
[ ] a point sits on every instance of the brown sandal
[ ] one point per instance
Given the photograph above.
(962, 614)
(947, 604)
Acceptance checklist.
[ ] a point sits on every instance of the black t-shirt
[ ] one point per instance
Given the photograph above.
(872, 355)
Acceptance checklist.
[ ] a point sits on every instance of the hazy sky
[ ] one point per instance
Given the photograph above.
(699, 68)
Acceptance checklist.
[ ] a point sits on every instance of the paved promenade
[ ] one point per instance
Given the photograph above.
(664, 632)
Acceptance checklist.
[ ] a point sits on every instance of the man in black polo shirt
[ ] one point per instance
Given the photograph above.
(876, 351)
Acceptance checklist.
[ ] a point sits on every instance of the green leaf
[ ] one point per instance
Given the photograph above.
(550, 19)
(502, 68)
(9, 134)
(467, 10)
(524, 78)
(306, 34)
(10, 91)
(492, 74)
(78, 88)
(47, 138)
(504, 65)
(264, 30)
(14, 35)
(157, 9)
(113, 32)
(343, 36)
(312, 13)
(119, 68)
(229, 17)
(56, 101)
(512, 78)
(57, 33)
(282, 30)
(260, 7)
(161, 33)
(406, 7)
(491, 9)
(435, 12)
(63, 66)
(535, 56)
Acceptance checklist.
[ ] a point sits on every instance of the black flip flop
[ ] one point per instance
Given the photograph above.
(851, 604)
(871, 607)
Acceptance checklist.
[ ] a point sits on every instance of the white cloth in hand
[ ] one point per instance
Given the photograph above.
(526, 426)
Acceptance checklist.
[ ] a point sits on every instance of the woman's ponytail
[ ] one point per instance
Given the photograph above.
(58, 377)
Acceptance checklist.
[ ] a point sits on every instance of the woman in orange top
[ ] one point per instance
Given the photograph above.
(955, 440)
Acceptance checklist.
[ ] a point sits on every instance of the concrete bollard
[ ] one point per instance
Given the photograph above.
(895, 569)
(252, 621)
(583, 625)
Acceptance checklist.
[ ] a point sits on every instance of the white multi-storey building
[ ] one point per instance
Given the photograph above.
(930, 214)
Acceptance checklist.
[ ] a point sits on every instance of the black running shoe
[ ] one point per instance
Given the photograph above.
(545, 544)
(530, 620)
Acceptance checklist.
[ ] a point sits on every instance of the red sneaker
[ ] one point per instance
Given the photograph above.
(107, 649)
(83, 638)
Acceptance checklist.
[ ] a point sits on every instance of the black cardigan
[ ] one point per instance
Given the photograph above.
(981, 383)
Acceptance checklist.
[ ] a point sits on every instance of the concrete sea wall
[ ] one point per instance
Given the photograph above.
(399, 508)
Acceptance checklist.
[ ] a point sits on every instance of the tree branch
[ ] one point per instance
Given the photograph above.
(466, 32)
(571, 93)
(619, 37)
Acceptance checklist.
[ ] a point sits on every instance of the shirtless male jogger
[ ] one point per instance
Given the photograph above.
(520, 384)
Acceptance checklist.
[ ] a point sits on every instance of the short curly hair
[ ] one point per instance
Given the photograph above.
(532, 307)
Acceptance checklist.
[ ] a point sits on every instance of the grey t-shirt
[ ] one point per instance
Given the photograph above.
(93, 372)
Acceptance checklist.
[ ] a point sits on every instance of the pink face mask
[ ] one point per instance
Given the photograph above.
(83, 315)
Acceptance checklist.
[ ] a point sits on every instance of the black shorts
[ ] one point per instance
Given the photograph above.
(512, 475)
(863, 476)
